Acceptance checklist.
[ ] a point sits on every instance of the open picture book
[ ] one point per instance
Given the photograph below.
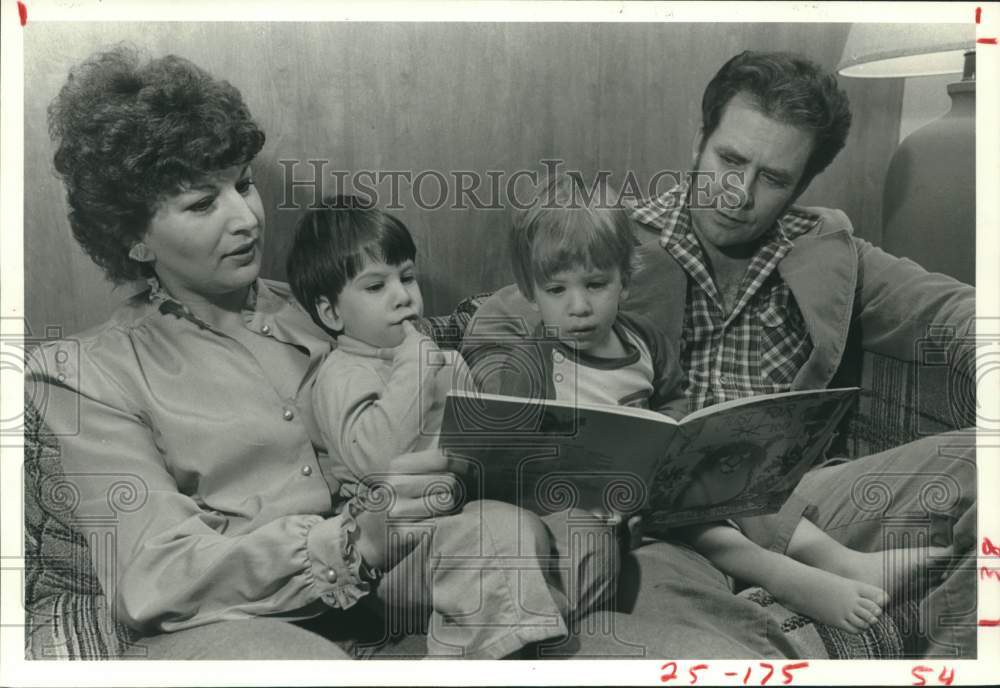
(738, 458)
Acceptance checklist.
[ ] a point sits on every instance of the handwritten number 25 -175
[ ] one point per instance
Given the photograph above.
(668, 672)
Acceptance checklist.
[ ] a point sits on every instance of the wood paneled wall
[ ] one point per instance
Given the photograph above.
(441, 97)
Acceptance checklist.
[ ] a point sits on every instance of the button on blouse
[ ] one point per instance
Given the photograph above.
(222, 525)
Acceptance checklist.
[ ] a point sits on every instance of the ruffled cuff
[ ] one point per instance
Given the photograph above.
(334, 563)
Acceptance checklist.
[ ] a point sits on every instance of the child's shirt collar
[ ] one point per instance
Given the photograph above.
(350, 345)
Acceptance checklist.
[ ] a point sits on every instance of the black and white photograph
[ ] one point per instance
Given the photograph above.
(616, 342)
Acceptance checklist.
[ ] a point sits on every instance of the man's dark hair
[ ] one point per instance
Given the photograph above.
(333, 243)
(788, 88)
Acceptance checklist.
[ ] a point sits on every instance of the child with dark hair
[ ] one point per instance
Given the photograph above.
(573, 259)
(381, 392)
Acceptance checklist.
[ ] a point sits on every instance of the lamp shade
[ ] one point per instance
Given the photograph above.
(899, 50)
(929, 197)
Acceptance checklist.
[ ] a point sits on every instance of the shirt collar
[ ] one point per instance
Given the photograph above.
(350, 345)
(166, 303)
(670, 213)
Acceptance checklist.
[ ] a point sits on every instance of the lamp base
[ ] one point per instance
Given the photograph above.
(929, 202)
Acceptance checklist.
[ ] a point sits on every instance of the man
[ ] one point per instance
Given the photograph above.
(761, 296)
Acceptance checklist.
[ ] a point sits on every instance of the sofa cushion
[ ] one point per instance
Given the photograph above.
(67, 615)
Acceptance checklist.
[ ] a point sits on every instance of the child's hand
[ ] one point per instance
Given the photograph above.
(413, 340)
(422, 326)
(410, 330)
(417, 486)
(416, 339)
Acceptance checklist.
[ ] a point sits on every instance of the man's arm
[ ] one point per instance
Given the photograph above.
(901, 308)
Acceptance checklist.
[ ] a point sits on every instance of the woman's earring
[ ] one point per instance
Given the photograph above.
(140, 253)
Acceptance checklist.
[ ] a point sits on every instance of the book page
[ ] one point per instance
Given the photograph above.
(744, 459)
(736, 403)
(483, 398)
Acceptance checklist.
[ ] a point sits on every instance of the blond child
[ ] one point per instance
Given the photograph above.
(572, 259)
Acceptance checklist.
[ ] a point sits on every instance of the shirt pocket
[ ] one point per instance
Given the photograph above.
(784, 344)
(773, 315)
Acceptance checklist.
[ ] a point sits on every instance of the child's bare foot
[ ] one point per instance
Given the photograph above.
(898, 571)
(893, 570)
(848, 604)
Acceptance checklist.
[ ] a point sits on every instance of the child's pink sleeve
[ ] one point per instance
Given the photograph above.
(366, 420)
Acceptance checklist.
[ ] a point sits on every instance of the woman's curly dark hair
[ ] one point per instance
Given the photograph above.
(129, 133)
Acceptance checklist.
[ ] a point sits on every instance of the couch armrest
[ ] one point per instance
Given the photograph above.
(902, 401)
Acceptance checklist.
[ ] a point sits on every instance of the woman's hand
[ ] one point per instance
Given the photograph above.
(627, 526)
(634, 530)
(417, 486)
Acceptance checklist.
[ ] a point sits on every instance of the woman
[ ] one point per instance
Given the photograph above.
(189, 396)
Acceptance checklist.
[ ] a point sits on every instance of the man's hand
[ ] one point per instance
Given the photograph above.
(417, 486)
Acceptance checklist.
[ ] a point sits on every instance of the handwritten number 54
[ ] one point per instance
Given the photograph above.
(946, 677)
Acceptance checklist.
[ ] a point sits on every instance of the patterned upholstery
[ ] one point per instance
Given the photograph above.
(886, 639)
(68, 616)
(902, 401)
(447, 330)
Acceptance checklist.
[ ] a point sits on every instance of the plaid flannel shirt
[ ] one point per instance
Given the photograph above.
(759, 346)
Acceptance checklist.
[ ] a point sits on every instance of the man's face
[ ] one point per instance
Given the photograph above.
(749, 171)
